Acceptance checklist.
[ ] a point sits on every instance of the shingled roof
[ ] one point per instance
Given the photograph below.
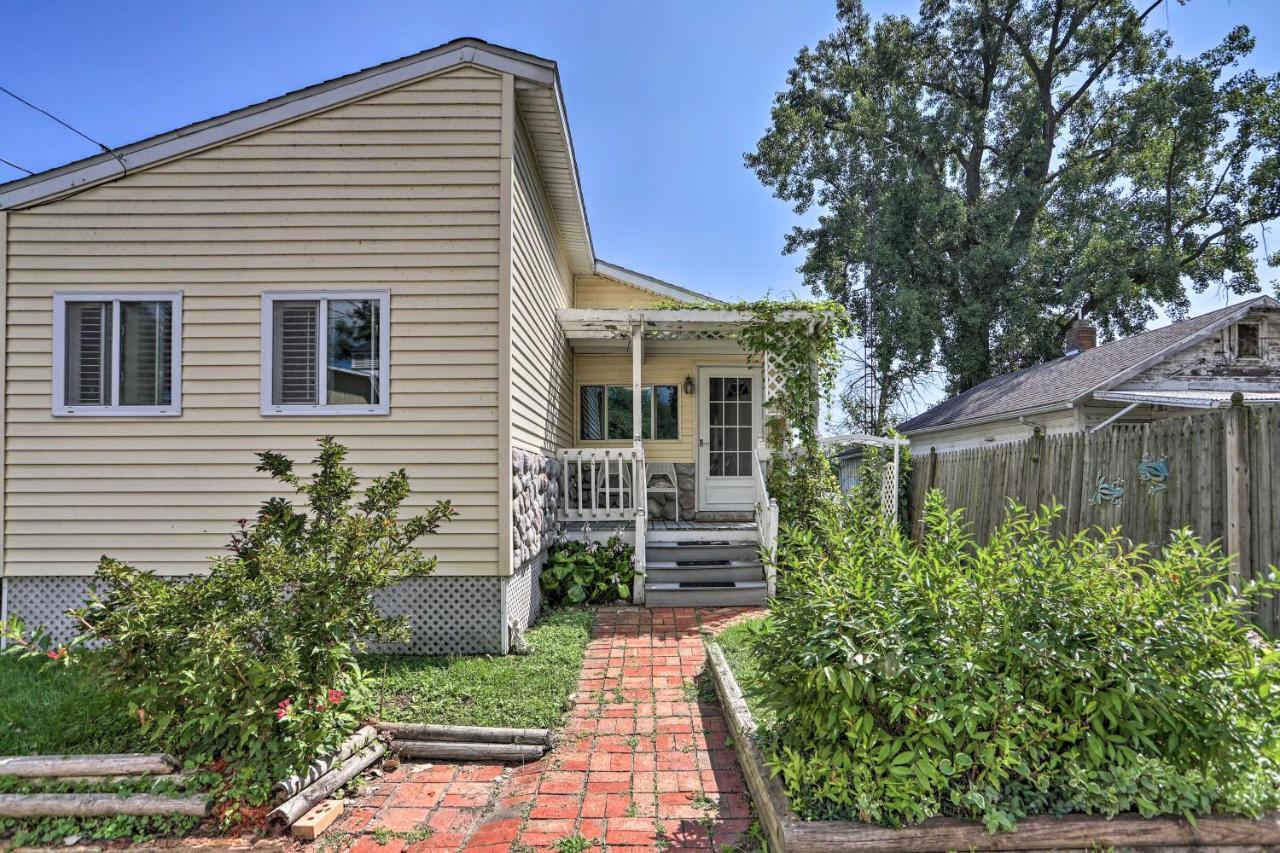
(1064, 381)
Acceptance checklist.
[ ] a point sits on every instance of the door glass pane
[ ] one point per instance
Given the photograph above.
(88, 353)
(730, 464)
(729, 429)
(146, 353)
(591, 413)
(744, 388)
(353, 372)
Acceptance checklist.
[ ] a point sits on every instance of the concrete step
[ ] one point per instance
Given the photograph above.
(739, 594)
(732, 570)
(662, 551)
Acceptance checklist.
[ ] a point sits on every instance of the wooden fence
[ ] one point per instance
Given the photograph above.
(1221, 469)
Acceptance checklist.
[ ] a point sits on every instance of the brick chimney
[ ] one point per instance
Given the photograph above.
(1080, 336)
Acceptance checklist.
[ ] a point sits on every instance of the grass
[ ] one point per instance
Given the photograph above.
(735, 641)
(51, 709)
(524, 691)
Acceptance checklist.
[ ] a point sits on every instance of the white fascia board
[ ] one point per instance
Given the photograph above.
(1003, 416)
(651, 284)
(286, 108)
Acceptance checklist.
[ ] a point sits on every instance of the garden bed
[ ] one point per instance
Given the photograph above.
(787, 832)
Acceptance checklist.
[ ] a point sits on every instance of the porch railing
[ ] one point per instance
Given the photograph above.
(766, 512)
(607, 484)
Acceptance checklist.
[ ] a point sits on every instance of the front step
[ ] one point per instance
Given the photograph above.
(709, 572)
(739, 594)
(721, 568)
(661, 551)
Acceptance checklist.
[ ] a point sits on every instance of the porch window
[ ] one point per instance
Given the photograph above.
(325, 353)
(117, 354)
(604, 412)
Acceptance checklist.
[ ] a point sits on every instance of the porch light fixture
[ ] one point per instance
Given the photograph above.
(688, 385)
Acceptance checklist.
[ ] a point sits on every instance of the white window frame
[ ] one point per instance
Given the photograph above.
(383, 298)
(653, 410)
(60, 407)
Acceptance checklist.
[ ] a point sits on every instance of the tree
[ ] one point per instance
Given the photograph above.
(990, 169)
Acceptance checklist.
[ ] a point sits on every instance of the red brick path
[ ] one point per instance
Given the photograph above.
(641, 765)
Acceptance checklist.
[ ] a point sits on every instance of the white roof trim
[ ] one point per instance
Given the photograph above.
(82, 174)
(987, 419)
(651, 284)
(1187, 399)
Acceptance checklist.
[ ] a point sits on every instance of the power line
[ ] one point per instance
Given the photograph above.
(77, 132)
(16, 166)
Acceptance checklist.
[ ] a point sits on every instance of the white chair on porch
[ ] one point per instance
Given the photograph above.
(613, 486)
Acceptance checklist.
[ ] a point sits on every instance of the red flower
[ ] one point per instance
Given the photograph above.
(282, 710)
(336, 696)
(58, 653)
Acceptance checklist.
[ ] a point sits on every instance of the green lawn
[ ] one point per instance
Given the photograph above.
(525, 691)
(48, 709)
(734, 641)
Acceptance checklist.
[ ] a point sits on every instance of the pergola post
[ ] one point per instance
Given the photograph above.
(638, 496)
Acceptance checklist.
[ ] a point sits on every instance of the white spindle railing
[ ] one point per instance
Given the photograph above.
(766, 511)
(600, 483)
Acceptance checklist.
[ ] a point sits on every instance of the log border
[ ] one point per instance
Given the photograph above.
(788, 834)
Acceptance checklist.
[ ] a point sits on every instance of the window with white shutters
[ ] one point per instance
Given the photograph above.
(117, 354)
(325, 353)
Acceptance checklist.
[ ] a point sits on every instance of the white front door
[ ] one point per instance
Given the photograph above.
(729, 421)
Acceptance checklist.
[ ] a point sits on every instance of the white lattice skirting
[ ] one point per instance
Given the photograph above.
(449, 615)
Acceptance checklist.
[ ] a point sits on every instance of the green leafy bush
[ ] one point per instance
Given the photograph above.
(254, 664)
(588, 572)
(1031, 675)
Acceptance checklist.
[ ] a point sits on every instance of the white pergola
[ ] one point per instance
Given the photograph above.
(889, 475)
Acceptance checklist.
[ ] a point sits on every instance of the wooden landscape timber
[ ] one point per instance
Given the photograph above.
(466, 734)
(454, 751)
(288, 812)
(68, 766)
(291, 785)
(100, 805)
(787, 833)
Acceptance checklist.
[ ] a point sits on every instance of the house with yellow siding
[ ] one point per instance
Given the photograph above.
(400, 258)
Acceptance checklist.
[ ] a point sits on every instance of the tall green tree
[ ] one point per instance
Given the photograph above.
(987, 170)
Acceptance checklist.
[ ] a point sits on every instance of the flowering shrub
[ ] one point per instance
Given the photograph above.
(253, 665)
(1029, 675)
(588, 572)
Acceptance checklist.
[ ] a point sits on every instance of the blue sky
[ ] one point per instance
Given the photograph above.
(663, 97)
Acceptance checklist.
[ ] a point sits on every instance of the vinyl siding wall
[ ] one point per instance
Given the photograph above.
(658, 369)
(541, 365)
(401, 192)
(595, 291)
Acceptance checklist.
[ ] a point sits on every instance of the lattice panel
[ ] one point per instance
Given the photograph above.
(447, 615)
(661, 333)
(44, 601)
(889, 486)
(524, 595)
(775, 374)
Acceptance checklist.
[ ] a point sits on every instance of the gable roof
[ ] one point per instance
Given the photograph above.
(639, 280)
(1063, 382)
(538, 96)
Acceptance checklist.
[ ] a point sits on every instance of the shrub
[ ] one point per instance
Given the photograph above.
(588, 572)
(254, 663)
(1030, 675)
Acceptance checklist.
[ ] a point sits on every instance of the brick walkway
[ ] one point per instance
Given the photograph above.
(641, 764)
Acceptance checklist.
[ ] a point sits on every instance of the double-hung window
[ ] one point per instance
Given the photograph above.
(604, 412)
(325, 353)
(117, 354)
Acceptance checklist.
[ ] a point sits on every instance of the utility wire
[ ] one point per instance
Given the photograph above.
(77, 132)
(16, 166)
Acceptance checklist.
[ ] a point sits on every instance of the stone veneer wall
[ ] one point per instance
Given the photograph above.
(662, 505)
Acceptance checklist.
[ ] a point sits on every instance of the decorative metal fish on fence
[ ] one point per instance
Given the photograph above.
(1104, 492)
(1154, 472)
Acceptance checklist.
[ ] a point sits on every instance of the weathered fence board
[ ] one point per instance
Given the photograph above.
(1066, 469)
